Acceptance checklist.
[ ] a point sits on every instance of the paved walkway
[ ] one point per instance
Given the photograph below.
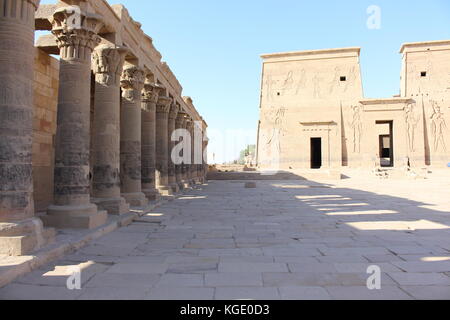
(282, 240)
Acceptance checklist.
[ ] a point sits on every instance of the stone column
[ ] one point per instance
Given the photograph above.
(186, 166)
(196, 149)
(199, 165)
(192, 165)
(205, 160)
(180, 124)
(108, 63)
(20, 231)
(72, 204)
(162, 115)
(174, 108)
(132, 82)
(150, 96)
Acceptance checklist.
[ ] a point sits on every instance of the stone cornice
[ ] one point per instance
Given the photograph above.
(356, 50)
(425, 46)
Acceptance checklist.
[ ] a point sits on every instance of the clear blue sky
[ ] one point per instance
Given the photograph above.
(213, 46)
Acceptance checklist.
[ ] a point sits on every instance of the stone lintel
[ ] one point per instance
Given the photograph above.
(394, 100)
(47, 43)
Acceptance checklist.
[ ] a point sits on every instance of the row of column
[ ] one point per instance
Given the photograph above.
(131, 133)
(130, 140)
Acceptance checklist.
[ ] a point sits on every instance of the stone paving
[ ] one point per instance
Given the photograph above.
(282, 240)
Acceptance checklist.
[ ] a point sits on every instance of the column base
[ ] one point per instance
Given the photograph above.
(137, 199)
(165, 190)
(24, 237)
(186, 184)
(114, 206)
(75, 217)
(175, 187)
(152, 194)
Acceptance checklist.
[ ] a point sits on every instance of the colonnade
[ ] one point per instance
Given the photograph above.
(130, 138)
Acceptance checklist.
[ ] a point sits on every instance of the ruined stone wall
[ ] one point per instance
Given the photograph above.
(46, 73)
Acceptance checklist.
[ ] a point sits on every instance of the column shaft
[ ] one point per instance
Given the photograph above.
(162, 115)
(179, 124)
(20, 232)
(130, 137)
(150, 97)
(171, 165)
(107, 64)
(186, 166)
(72, 206)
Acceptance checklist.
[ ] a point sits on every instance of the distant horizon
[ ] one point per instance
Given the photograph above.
(214, 49)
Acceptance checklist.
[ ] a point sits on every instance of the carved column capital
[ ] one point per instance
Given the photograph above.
(180, 120)
(173, 112)
(76, 32)
(107, 64)
(189, 123)
(132, 81)
(150, 92)
(163, 105)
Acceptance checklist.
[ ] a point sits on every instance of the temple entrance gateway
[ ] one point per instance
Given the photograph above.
(316, 153)
(386, 143)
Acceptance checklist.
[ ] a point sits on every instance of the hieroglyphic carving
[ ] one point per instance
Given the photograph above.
(356, 125)
(438, 127)
(411, 120)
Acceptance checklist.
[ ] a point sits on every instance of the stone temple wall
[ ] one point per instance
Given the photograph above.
(45, 87)
(313, 114)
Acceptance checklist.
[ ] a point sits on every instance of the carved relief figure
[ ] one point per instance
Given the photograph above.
(411, 123)
(438, 127)
(356, 125)
(269, 87)
(335, 80)
(350, 78)
(301, 84)
(288, 82)
(273, 138)
(316, 84)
